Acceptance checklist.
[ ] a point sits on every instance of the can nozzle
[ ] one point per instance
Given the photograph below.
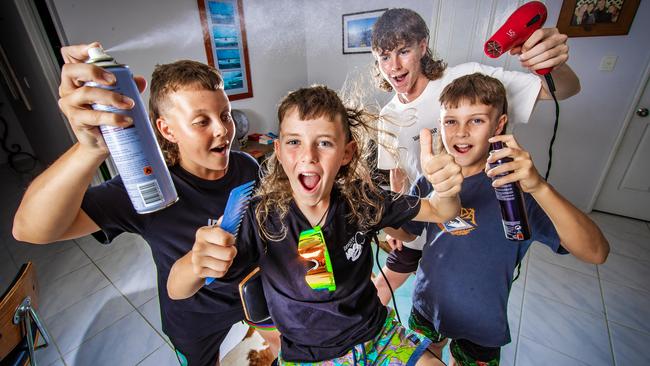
(97, 54)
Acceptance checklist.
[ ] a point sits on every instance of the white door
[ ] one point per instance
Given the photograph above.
(626, 189)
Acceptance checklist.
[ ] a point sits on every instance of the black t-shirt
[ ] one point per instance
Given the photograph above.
(320, 325)
(170, 233)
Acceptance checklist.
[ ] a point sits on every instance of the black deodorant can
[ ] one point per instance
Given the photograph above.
(511, 200)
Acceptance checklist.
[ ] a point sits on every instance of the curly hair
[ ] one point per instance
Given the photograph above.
(169, 78)
(397, 27)
(354, 180)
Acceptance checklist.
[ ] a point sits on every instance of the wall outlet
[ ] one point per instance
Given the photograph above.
(607, 63)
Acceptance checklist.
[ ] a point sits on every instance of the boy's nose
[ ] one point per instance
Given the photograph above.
(395, 63)
(308, 154)
(219, 129)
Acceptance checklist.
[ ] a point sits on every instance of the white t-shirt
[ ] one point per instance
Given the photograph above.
(405, 120)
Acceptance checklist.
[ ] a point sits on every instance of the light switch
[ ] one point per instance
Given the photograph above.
(607, 63)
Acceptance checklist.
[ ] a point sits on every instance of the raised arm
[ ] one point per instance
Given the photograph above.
(445, 176)
(578, 233)
(547, 47)
(51, 207)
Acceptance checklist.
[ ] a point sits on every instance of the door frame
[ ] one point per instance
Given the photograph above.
(645, 80)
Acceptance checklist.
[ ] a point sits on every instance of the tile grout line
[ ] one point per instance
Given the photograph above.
(554, 350)
(609, 332)
(163, 336)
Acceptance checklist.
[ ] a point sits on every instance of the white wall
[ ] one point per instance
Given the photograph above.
(172, 30)
(589, 122)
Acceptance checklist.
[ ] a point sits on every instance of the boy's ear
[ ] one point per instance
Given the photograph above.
(423, 45)
(350, 149)
(165, 130)
(501, 124)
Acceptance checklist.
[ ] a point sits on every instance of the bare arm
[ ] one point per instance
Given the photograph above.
(578, 233)
(51, 208)
(400, 234)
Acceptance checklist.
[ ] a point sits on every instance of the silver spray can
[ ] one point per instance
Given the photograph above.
(134, 149)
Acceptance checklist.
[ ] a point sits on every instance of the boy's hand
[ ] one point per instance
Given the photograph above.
(546, 47)
(521, 167)
(76, 99)
(213, 251)
(440, 170)
(394, 244)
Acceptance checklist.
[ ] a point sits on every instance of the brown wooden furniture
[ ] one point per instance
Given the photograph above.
(20, 325)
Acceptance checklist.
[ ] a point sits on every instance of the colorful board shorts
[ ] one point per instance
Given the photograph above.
(394, 345)
(464, 352)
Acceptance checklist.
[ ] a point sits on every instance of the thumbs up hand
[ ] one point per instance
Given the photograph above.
(440, 169)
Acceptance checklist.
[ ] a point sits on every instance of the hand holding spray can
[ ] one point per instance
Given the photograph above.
(134, 149)
(511, 200)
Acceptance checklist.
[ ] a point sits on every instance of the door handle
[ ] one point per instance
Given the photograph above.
(642, 112)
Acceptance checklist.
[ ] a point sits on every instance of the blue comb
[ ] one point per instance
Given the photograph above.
(234, 212)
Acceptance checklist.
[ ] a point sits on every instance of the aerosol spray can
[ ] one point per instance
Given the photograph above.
(511, 200)
(134, 149)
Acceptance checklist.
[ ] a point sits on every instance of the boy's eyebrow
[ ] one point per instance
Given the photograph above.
(293, 134)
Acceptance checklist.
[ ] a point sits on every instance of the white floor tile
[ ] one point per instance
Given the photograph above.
(508, 353)
(81, 321)
(619, 224)
(626, 271)
(627, 306)
(631, 245)
(139, 286)
(126, 342)
(123, 262)
(514, 311)
(69, 289)
(565, 285)
(163, 356)
(530, 353)
(151, 312)
(58, 265)
(24, 252)
(47, 355)
(578, 334)
(541, 252)
(96, 250)
(630, 346)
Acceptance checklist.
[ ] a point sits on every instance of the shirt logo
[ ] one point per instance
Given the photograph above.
(354, 248)
(461, 225)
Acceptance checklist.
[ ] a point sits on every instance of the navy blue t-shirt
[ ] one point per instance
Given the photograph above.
(170, 233)
(467, 266)
(317, 325)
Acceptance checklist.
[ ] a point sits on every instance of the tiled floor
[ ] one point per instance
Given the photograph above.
(101, 305)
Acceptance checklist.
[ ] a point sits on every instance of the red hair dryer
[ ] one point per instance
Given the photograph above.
(517, 29)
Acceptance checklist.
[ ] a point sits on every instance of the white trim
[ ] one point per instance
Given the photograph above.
(645, 80)
(43, 52)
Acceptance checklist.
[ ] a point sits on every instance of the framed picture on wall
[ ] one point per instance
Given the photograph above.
(357, 30)
(224, 36)
(585, 18)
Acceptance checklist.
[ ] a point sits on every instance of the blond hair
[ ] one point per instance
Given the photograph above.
(169, 78)
(353, 180)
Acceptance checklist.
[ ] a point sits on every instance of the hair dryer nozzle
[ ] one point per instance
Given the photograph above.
(517, 29)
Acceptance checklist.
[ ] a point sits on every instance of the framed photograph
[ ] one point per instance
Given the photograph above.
(224, 36)
(586, 18)
(357, 30)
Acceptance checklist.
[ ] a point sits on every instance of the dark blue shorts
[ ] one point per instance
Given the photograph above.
(199, 351)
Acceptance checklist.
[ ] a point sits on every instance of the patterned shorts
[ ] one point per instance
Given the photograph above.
(394, 345)
(464, 352)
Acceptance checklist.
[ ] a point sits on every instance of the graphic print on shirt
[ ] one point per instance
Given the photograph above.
(354, 247)
(461, 225)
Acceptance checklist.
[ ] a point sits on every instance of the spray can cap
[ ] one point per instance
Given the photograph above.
(99, 57)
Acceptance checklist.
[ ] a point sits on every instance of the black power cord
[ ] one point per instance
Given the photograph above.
(551, 89)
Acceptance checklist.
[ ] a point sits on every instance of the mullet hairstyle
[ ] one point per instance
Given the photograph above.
(170, 78)
(398, 27)
(353, 180)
